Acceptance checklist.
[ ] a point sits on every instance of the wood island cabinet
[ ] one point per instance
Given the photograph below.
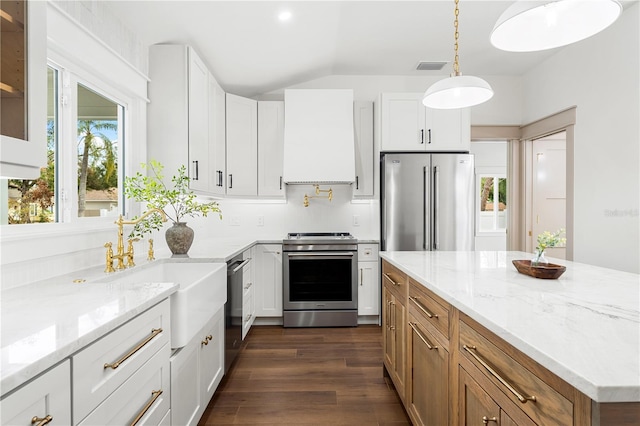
(450, 370)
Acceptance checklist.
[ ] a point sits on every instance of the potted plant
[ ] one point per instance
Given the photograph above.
(176, 202)
(547, 240)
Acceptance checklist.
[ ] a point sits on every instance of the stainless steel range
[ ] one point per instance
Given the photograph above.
(320, 280)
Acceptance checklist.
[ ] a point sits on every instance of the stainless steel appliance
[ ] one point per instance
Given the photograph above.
(320, 280)
(427, 201)
(233, 310)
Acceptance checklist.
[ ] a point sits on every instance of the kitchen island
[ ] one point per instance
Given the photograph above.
(580, 332)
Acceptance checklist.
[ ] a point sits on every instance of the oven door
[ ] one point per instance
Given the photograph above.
(318, 280)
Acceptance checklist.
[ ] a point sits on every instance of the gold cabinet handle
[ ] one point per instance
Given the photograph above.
(486, 420)
(423, 308)
(41, 421)
(389, 278)
(422, 336)
(471, 350)
(154, 333)
(154, 395)
(206, 340)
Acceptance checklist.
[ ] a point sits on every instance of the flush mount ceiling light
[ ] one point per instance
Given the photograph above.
(457, 91)
(528, 26)
(285, 15)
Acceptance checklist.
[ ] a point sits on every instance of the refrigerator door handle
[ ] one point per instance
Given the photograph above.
(436, 207)
(424, 207)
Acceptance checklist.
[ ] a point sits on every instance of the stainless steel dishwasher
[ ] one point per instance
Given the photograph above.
(233, 310)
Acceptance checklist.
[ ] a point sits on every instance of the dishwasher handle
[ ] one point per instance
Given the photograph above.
(241, 264)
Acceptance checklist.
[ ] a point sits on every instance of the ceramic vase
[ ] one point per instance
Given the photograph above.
(179, 238)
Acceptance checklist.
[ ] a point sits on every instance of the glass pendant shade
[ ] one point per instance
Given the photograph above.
(458, 91)
(528, 26)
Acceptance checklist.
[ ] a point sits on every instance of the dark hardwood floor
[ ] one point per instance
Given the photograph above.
(307, 376)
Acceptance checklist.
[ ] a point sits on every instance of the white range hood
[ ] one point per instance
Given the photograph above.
(319, 143)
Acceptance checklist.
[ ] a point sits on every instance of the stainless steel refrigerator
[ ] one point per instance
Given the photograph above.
(427, 201)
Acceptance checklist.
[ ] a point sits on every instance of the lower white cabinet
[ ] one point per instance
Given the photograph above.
(101, 369)
(268, 272)
(248, 299)
(48, 395)
(196, 371)
(368, 280)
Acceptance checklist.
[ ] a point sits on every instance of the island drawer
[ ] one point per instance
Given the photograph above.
(102, 367)
(542, 403)
(431, 308)
(395, 280)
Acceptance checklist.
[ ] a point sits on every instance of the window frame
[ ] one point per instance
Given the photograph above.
(496, 174)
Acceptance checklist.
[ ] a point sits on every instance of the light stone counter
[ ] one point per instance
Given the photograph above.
(584, 327)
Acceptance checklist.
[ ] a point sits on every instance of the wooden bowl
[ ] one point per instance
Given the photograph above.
(548, 271)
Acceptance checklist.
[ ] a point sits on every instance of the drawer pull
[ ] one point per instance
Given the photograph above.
(423, 308)
(154, 333)
(389, 278)
(206, 340)
(41, 421)
(486, 420)
(154, 395)
(422, 336)
(471, 350)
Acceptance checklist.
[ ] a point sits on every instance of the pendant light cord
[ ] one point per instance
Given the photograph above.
(456, 35)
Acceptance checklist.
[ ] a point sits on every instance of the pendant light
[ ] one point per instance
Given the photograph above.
(457, 91)
(528, 26)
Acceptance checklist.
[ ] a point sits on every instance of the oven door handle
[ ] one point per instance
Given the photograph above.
(324, 253)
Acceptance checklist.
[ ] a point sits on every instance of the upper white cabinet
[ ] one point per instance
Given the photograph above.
(23, 89)
(178, 116)
(407, 125)
(217, 138)
(363, 131)
(242, 146)
(270, 148)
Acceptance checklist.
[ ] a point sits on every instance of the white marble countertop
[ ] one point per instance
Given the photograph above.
(584, 326)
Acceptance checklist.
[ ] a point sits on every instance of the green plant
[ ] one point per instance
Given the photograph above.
(176, 202)
(547, 240)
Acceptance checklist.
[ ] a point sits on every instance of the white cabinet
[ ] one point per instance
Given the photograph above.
(368, 280)
(268, 272)
(178, 116)
(270, 148)
(363, 130)
(23, 98)
(407, 125)
(248, 293)
(217, 138)
(47, 395)
(101, 369)
(196, 371)
(242, 146)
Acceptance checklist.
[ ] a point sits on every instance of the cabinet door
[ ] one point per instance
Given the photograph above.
(387, 341)
(363, 129)
(212, 357)
(399, 356)
(46, 395)
(368, 288)
(242, 146)
(428, 383)
(248, 299)
(475, 405)
(186, 400)
(217, 138)
(268, 288)
(270, 148)
(198, 123)
(403, 122)
(447, 129)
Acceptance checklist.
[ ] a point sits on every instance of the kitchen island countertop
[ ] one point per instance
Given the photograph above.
(584, 327)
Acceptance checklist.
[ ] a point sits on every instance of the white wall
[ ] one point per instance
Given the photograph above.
(600, 76)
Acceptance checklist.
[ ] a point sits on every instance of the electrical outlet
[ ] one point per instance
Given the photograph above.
(235, 220)
(260, 221)
(356, 220)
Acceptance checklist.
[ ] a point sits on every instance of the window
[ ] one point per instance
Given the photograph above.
(84, 170)
(492, 209)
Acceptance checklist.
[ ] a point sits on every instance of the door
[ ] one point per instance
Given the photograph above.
(270, 148)
(403, 122)
(198, 123)
(242, 146)
(453, 201)
(363, 131)
(405, 204)
(549, 189)
(476, 407)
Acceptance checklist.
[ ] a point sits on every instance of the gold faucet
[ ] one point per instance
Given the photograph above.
(329, 195)
(121, 255)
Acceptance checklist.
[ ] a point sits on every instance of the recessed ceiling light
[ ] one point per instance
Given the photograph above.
(284, 15)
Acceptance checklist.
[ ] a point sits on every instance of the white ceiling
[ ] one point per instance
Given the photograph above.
(251, 52)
